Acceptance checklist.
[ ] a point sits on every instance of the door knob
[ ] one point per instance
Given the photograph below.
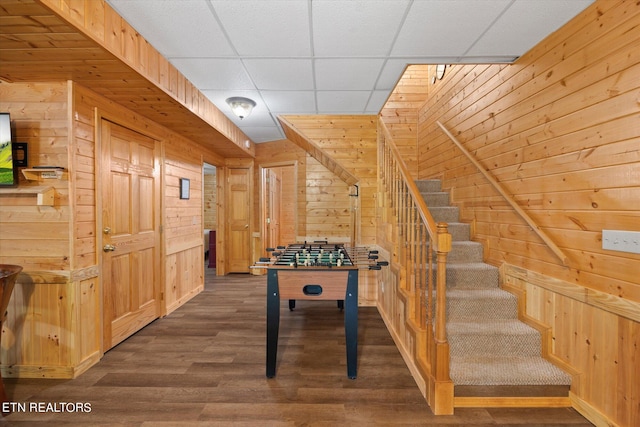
(107, 230)
(109, 248)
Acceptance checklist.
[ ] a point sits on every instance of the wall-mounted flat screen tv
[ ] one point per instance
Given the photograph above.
(8, 175)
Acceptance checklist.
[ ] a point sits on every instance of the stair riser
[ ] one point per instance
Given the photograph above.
(436, 199)
(445, 214)
(429, 185)
(466, 309)
(459, 231)
(460, 278)
(495, 345)
(464, 254)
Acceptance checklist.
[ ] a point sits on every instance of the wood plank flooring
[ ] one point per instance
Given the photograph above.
(204, 365)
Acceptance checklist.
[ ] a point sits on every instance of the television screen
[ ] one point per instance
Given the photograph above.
(8, 175)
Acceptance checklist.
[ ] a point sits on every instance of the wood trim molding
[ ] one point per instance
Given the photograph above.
(611, 303)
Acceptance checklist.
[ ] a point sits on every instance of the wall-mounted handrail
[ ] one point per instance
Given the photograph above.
(508, 197)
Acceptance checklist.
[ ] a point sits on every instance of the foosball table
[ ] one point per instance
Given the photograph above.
(315, 271)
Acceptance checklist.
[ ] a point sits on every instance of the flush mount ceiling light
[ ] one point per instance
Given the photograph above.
(241, 106)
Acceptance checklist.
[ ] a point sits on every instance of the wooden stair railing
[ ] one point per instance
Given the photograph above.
(417, 236)
(509, 198)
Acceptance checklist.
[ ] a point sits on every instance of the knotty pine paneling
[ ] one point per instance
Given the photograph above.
(210, 201)
(54, 315)
(561, 135)
(601, 343)
(400, 112)
(559, 130)
(323, 202)
(351, 141)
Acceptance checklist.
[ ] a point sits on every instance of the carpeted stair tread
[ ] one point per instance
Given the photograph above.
(485, 304)
(489, 345)
(509, 370)
(472, 275)
(490, 338)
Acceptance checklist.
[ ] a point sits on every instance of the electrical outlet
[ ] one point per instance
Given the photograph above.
(620, 240)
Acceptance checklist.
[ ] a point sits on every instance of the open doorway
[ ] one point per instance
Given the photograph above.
(210, 213)
(279, 201)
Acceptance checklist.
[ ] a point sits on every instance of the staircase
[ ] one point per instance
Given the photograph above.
(489, 346)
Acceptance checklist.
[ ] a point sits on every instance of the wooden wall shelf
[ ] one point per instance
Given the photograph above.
(45, 194)
(42, 173)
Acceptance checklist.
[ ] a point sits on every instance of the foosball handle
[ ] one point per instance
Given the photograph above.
(383, 263)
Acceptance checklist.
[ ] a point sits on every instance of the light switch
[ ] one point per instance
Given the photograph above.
(620, 240)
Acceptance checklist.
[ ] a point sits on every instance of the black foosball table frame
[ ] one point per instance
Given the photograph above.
(317, 277)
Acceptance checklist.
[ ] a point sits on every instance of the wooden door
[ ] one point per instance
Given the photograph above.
(130, 222)
(274, 185)
(238, 209)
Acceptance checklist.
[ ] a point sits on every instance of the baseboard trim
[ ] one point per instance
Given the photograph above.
(511, 402)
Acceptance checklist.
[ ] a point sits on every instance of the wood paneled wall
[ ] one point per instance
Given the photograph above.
(352, 142)
(210, 200)
(54, 326)
(324, 206)
(560, 131)
(400, 112)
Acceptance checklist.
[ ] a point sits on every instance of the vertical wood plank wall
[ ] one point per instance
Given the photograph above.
(560, 129)
(324, 203)
(210, 200)
(53, 326)
(352, 142)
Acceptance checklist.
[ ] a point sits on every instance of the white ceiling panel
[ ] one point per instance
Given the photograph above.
(524, 24)
(348, 33)
(347, 74)
(342, 102)
(266, 28)
(290, 102)
(214, 73)
(281, 74)
(376, 101)
(331, 56)
(179, 28)
(264, 134)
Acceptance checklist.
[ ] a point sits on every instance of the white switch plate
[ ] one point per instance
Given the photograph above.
(620, 240)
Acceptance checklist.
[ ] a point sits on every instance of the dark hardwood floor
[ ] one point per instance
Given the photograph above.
(204, 365)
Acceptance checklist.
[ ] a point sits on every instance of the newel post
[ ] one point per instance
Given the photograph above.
(443, 386)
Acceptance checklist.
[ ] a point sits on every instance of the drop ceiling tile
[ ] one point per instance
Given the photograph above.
(376, 101)
(445, 27)
(285, 102)
(266, 28)
(347, 74)
(342, 102)
(259, 118)
(280, 74)
(209, 73)
(391, 72)
(258, 135)
(355, 28)
(201, 37)
(524, 25)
